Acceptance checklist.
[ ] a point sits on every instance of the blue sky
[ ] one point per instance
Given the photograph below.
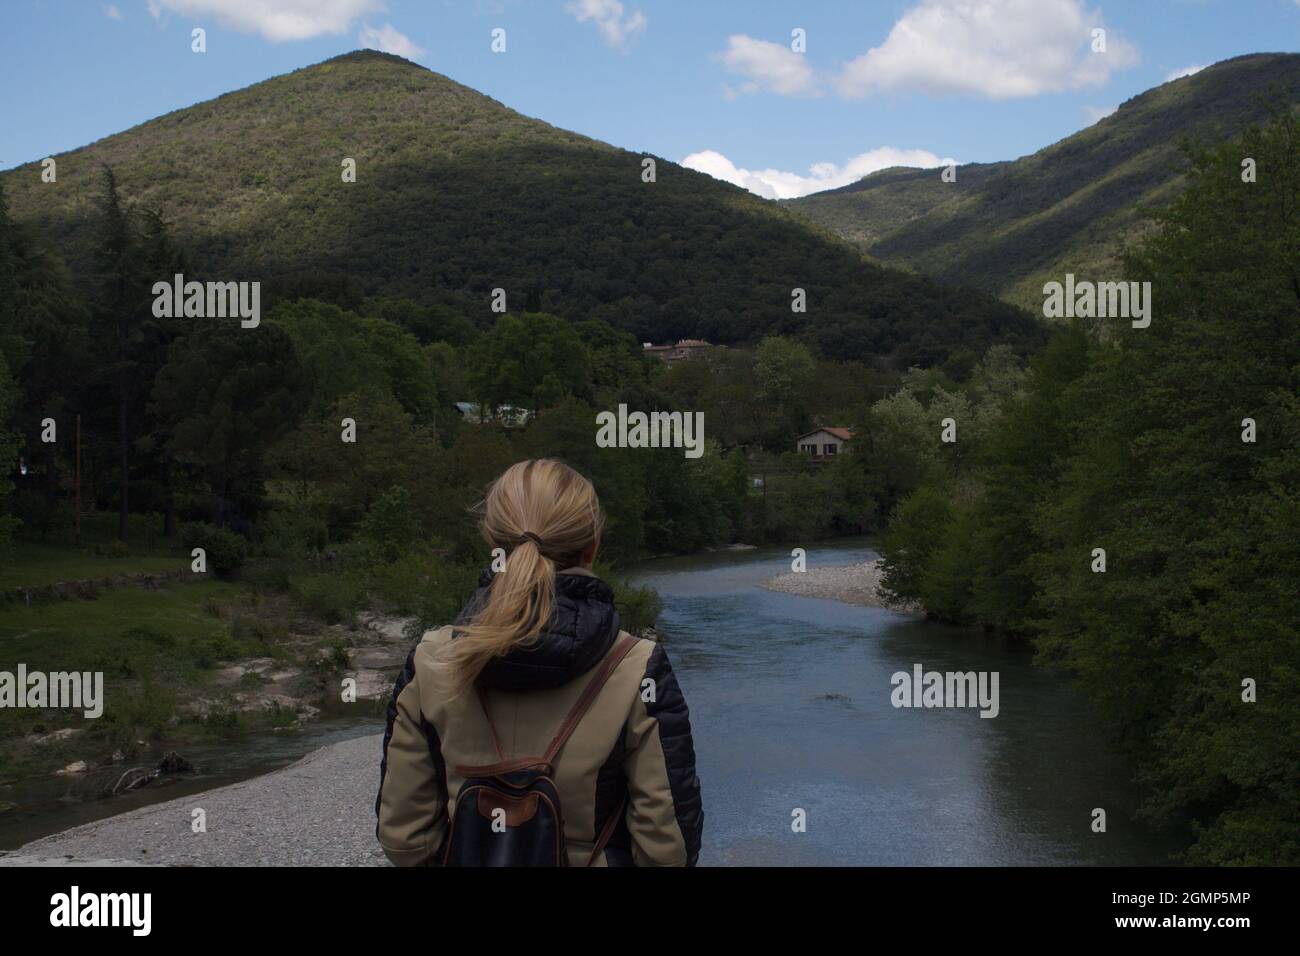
(712, 82)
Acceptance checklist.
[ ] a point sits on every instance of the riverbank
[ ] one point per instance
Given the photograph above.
(798, 687)
(858, 584)
(316, 812)
(213, 664)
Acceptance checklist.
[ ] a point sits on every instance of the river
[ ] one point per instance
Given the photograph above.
(879, 785)
(790, 706)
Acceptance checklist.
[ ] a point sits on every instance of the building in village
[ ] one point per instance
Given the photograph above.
(823, 443)
(671, 354)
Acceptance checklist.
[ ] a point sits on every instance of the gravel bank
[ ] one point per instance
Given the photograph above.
(316, 812)
(851, 583)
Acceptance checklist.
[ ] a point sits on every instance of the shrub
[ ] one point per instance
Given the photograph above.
(638, 608)
(253, 636)
(424, 585)
(145, 712)
(334, 660)
(292, 533)
(333, 598)
(147, 635)
(209, 651)
(917, 531)
(38, 516)
(439, 594)
(392, 523)
(114, 549)
(225, 550)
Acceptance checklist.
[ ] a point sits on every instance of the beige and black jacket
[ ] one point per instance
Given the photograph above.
(634, 743)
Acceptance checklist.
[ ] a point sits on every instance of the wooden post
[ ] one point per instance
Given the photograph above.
(78, 518)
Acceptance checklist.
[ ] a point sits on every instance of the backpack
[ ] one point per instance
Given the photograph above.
(508, 813)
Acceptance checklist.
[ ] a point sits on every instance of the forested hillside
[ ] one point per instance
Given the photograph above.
(1009, 227)
(456, 195)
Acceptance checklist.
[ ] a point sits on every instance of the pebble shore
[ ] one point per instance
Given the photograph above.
(319, 811)
(851, 584)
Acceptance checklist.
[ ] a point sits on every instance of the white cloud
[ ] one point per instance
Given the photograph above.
(779, 184)
(608, 15)
(999, 49)
(387, 39)
(1189, 70)
(112, 12)
(767, 66)
(1096, 114)
(278, 21)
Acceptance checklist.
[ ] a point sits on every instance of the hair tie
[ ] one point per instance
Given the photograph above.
(532, 537)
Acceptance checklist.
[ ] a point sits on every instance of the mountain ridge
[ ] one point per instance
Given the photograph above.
(457, 195)
(1007, 227)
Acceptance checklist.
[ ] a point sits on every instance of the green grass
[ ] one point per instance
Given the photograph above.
(161, 649)
(120, 627)
(34, 565)
(154, 647)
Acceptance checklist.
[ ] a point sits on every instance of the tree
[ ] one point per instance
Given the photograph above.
(43, 345)
(8, 453)
(223, 399)
(531, 360)
(11, 350)
(783, 377)
(342, 353)
(1020, 462)
(897, 445)
(917, 531)
(428, 323)
(1199, 526)
(116, 314)
(160, 258)
(617, 359)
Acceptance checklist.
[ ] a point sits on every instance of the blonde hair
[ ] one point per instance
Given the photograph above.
(543, 514)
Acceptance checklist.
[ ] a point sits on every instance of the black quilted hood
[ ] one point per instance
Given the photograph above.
(582, 629)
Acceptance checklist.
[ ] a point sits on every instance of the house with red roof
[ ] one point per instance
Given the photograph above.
(823, 443)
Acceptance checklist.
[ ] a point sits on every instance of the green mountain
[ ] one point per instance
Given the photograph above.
(457, 195)
(1009, 227)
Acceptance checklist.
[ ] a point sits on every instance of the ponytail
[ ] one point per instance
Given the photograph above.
(543, 514)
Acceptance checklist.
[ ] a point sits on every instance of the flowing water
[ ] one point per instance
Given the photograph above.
(790, 707)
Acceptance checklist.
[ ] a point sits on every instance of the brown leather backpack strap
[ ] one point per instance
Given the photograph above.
(492, 728)
(607, 831)
(589, 694)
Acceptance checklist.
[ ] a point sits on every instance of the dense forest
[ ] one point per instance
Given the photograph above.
(1071, 207)
(1131, 505)
(203, 421)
